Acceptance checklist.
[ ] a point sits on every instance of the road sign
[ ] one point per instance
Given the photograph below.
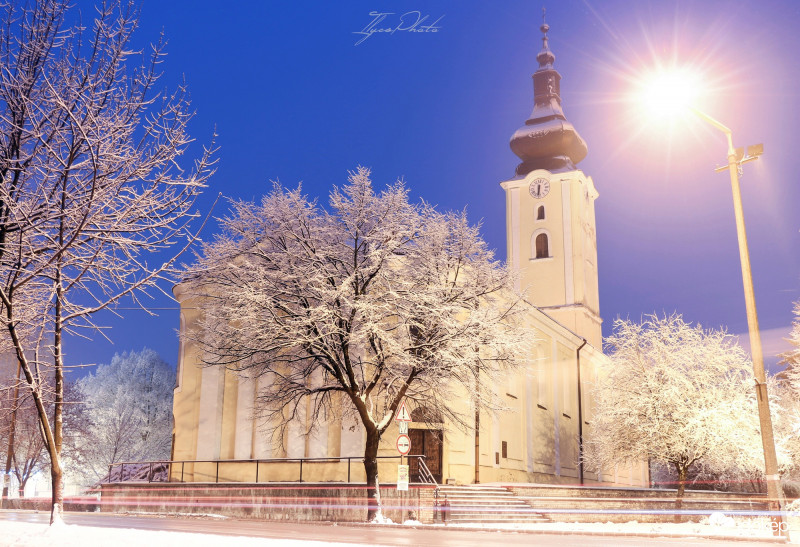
(403, 444)
(402, 428)
(402, 477)
(402, 413)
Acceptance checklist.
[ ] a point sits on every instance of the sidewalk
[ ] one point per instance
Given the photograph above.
(726, 529)
(723, 529)
(756, 531)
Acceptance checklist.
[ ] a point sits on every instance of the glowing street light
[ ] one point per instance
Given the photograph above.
(669, 94)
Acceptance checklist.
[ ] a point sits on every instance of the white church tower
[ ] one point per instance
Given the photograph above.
(550, 225)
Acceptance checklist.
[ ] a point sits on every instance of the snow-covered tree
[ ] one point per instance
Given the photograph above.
(352, 309)
(90, 184)
(791, 358)
(790, 380)
(742, 468)
(127, 413)
(674, 394)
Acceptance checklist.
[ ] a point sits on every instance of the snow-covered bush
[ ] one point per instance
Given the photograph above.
(126, 415)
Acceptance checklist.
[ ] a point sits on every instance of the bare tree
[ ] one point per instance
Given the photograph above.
(21, 445)
(127, 413)
(28, 454)
(674, 394)
(89, 184)
(352, 309)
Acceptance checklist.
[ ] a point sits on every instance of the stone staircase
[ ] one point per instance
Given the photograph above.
(570, 503)
(486, 504)
(526, 503)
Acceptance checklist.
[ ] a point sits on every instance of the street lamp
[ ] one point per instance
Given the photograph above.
(736, 157)
(670, 92)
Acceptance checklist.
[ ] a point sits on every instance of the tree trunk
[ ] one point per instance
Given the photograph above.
(371, 469)
(56, 471)
(477, 445)
(12, 431)
(57, 481)
(45, 428)
(682, 474)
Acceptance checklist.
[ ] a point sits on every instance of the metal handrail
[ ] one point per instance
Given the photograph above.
(426, 477)
(424, 473)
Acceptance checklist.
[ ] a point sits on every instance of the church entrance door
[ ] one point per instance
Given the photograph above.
(428, 443)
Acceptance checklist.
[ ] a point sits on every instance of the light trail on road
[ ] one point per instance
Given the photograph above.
(395, 536)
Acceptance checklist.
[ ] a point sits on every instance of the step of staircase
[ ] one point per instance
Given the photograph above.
(487, 505)
(569, 503)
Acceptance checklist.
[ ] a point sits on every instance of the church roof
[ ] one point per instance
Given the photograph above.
(547, 140)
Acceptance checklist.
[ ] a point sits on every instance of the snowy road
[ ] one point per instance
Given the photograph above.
(342, 534)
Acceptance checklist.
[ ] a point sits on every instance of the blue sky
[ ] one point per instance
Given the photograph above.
(293, 98)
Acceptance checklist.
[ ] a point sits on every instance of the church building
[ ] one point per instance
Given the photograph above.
(551, 239)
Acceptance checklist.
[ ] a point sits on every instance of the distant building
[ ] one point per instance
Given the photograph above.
(550, 227)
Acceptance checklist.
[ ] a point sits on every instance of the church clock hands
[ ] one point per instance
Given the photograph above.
(539, 188)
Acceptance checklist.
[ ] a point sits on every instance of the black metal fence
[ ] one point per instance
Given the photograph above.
(175, 470)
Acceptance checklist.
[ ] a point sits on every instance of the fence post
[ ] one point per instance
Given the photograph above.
(256, 470)
(150, 473)
(348, 470)
(301, 469)
(216, 480)
(122, 473)
(110, 467)
(183, 464)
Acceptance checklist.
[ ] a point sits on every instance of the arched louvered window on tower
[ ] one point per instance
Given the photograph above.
(541, 245)
(540, 212)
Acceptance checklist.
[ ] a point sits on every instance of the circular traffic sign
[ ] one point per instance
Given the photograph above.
(403, 444)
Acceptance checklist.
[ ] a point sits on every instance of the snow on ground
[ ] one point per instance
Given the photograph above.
(717, 525)
(24, 534)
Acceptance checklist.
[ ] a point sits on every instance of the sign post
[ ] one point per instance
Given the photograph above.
(403, 444)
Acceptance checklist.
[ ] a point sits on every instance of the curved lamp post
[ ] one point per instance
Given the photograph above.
(735, 159)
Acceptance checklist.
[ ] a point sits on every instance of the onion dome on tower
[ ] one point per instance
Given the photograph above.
(547, 140)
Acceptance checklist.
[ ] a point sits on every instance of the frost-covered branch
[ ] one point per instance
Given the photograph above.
(374, 298)
(91, 191)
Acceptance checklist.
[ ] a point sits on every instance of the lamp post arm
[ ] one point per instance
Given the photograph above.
(728, 133)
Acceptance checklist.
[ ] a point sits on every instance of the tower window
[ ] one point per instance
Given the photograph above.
(540, 212)
(542, 250)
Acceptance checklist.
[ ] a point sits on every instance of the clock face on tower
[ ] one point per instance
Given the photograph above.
(539, 188)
